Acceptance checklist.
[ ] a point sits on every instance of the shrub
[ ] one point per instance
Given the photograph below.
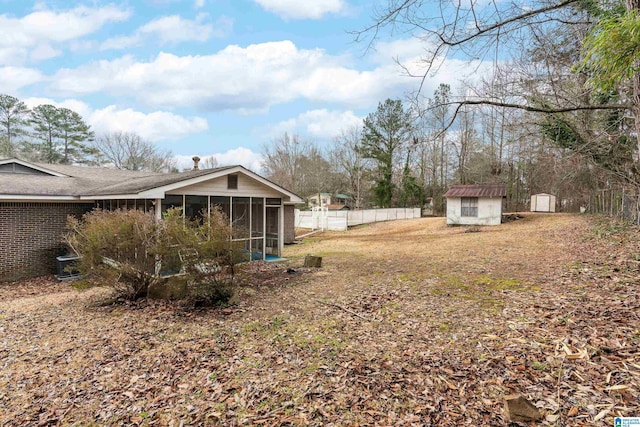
(131, 251)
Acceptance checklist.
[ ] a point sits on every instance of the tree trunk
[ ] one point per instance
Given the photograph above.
(634, 6)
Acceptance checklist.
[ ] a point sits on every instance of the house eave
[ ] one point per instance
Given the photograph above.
(39, 198)
(115, 196)
(160, 191)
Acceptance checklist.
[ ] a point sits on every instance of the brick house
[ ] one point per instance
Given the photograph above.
(35, 200)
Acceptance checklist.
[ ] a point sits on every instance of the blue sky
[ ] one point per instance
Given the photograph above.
(207, 77)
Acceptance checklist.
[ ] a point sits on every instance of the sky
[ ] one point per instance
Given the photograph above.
(209, 77)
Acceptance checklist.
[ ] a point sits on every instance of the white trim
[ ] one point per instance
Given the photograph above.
(32, 166)
(218, 174)
(116, 197)
(19, 197)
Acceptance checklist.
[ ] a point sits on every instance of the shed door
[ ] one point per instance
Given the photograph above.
(542, 203)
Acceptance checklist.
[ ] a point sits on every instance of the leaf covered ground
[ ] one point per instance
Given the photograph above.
(407, 323)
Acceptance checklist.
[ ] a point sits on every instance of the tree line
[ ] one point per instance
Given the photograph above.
(58, 135)
(558, 113)
(403, 156)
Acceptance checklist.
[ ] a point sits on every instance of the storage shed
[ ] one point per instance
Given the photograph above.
(543, 202)
(475, 204)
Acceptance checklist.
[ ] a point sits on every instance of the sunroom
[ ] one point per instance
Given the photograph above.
(254, 206)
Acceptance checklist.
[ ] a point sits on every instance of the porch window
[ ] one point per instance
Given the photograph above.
(223, 203)
(241, 221)
(469, 206)
(171, 201)
(257, 217)
(195, 207)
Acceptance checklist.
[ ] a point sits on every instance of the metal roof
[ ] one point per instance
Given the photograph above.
(476, 190)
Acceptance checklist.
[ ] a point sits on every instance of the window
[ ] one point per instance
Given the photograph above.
(232, 182)
(195, 207)
(241, 217)
(469, 206)
(171, 201)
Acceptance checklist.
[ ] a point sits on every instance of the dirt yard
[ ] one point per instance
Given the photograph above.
(407, 323)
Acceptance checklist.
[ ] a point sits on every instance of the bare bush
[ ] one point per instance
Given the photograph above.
(131, 251)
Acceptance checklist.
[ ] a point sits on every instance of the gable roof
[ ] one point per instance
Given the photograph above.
(476, 190)
(65, 182)
(20, 166)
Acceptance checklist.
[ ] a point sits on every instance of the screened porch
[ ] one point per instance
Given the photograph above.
(256, 222)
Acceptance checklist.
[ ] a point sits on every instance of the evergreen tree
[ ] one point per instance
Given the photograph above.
(45, 121)
(384, 134)
(13, 114)
(74, 132)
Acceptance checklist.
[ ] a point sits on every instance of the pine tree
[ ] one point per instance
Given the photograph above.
(45, 122)
(74, 132)
(384, 134)
(13, 114)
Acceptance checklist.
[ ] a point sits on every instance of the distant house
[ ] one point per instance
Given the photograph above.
(543, 202)
(35, 200)
(330, 201)
(475, 204)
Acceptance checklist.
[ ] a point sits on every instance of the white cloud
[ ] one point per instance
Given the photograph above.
(235, 78)
(170, 30)
(236, 156)
(402, 49)
(154, 126)
(33, 37)
(321, 124)
(296, 9)
(254, 78)
(14, 78)
(198, 4)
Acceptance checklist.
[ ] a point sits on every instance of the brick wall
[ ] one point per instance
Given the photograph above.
(30, 237)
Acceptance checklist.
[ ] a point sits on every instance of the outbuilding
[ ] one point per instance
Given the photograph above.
(35, 200)
(475, 204)
(543, 202)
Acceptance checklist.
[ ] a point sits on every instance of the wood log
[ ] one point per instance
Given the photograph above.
(313, 261)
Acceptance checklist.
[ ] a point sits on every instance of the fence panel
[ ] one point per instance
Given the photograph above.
(620, 203)
(340, 220)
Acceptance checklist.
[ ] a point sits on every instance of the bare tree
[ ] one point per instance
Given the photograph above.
(347, 158)
(464, 145)
(281, 159)
(127, 150)
(473, 30)
(209, 162)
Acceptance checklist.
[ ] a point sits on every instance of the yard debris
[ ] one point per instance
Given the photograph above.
(330, 304)
(511, 217)
(409, 323)
(519, 409)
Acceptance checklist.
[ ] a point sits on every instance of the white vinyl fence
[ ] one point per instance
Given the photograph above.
(340, 220)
